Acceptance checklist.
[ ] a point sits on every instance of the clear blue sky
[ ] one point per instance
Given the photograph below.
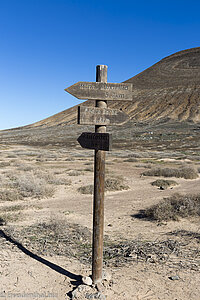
(47, 45)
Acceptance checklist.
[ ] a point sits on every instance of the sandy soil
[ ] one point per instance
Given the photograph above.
(28, 275)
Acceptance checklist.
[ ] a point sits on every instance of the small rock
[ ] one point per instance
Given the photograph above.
(106, 276)
(176, 277)
(80, 291)
(111, 282)
(162, 188)
(100, 288)
(96, 296)
(74, 294)
(87, 280)
(152, 258)
(101, 296)
(161, 223)
(80, 288)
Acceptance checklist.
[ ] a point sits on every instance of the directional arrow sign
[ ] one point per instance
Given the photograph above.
(101, 116)
(101, 91)
(96, 141)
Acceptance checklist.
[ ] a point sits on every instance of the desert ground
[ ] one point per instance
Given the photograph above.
(46, 224)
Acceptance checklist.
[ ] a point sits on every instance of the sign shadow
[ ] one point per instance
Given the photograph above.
(76, 278)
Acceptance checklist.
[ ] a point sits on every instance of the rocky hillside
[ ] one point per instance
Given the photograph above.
(170, 89)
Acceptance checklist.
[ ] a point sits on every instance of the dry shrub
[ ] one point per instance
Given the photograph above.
(188, 235)
(4, 164)
(146, 166)
(164, 184)
(7, 218)
(137, 155)
(30, 153)
(42, 174)
(12, 208)
(29, 185)
(52, 237)
(74, 173)
(60, 181)
(174, 207)
(89, 169)
(88, 163)
(2, 221)
(10, 195)
(25, 168)
(185, 172)
(35, 183)
(131, 159)
(74, 241)
(4, 181)
(11, 156)
(115, 184)
(50, 178)
(111, 184)
(87, 189)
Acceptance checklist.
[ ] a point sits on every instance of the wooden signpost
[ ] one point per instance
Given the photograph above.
(101, 116)
(96, 141)
(101, 90)
(100, 141)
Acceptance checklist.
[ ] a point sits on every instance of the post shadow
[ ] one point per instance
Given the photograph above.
(76, 278)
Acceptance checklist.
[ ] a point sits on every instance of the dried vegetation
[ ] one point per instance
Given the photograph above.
(164, 184)
(111, 184)
(72, 240)
(173, 208)
(33, 183)
(185, 172)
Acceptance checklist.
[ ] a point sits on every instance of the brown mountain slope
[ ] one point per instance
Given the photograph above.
(170, 89)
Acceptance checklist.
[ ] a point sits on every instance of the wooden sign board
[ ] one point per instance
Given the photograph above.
(101, 91)
(96, 141)
(101, 116)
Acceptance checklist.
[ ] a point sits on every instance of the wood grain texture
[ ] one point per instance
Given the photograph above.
(101, 90)
(101, 116)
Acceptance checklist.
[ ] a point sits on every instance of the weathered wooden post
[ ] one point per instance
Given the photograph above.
(99, 182)
(100, 141)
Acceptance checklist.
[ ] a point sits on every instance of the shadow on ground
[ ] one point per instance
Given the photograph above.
(76, 279)
(141, 215)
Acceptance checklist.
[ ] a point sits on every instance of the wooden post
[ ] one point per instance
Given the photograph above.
(99, 181)
(100, 116)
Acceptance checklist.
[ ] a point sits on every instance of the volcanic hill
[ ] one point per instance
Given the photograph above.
(170, 89)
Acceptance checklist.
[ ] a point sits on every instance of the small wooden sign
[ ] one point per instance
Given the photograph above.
(96, 141)
(101, 116)
(101, 90)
